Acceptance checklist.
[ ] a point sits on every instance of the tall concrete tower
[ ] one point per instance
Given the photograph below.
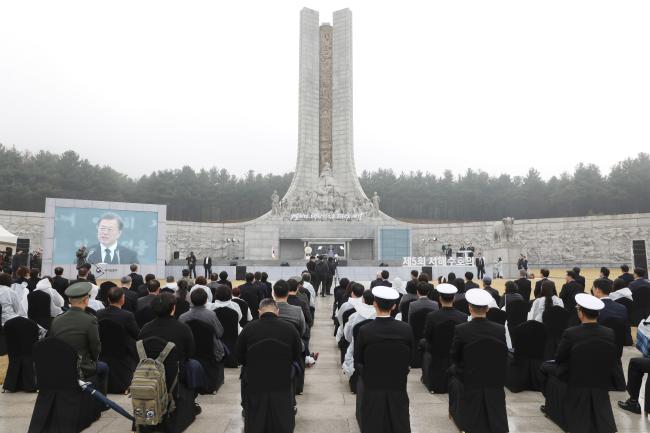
(325, 182)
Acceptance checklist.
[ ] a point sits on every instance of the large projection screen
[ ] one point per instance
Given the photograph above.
(115, 234)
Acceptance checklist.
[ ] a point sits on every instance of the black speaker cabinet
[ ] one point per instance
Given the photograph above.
(177, 255)
(240, 273)
(639, 255)
(428, 270)
(22, 245)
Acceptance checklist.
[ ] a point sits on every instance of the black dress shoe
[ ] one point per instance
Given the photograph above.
(197, 409)
(543, 409)
(630, 406)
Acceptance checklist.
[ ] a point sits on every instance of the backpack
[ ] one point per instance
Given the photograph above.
(149, 396)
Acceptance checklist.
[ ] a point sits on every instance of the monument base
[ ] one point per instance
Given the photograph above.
(509, 254)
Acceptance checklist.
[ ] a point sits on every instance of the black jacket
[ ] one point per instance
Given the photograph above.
(170, 329)
(444, 314)
(122, 317)
(121, 256)
(581, 333)
(296, 301)
(568, 294)
(524, 286)
(269, 326)
(60, 284)
(477, 329)
(538, 288)
(250, 293)
(136, 280)
(381, 329)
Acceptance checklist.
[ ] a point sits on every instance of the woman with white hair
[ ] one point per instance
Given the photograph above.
(56, 300)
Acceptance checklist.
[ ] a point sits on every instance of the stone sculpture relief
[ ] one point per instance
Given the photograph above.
(504, 230)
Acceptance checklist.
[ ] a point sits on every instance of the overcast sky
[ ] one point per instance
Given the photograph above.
(497, 85)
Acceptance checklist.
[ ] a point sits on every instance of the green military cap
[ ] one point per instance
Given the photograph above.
(77, 290)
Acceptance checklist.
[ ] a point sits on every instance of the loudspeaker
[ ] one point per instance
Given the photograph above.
(428, 270)
(639, 255)
(22, 245)
(240, 273)
(177, 255)
(284, 264)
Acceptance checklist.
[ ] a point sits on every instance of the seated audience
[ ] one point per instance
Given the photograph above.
(445, 313)
(202, 283)
(547, 299)
(364, 311)
(153, 287)
(223, 279)
(352, 303)
(423, 302)
(81, 331)
(626, 275)
(382, 280)
(511, 294)
(143, 289)
(570, 289)
(166, 327)
(170, 284)
(59, 283)
(487, 286)
(620, 290)
(130, 296)
(136, 279)
(56, 300)
(187, 278)
(115, 311)
(9, 301)
(198, 311)
(250, 293)
(469, 281)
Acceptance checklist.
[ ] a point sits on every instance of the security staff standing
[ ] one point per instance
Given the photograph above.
(80, 330)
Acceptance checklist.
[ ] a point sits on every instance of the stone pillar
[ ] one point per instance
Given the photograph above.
(306, 176)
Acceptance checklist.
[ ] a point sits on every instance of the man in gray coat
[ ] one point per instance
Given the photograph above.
(199, 312)
(423, 302)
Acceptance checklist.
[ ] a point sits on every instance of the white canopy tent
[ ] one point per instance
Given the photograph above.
(7, 239)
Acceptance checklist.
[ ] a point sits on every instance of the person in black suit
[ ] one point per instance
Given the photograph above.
(109, 230)
(382, 280)
(588, 308)
(479, 261)
(640, 281)
(478, 328)
(538, 284)
(191, 263)
(469, 281)
(384, 328)
(250, 293)
(579, 278)
(59, 283)
(136, 279)
(116, 312)
(268, 327)
(524, 285)
(445, 313)
(165, 326)
(636, 369)
(569, 291)
(626, 276)
(130, 296)
(602, 289)
(153, 286)
(84, 274)
(268, 287)
(487, 286)
(223, 279)
(207, 266)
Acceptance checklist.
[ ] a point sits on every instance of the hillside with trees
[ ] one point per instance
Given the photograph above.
(217, 195)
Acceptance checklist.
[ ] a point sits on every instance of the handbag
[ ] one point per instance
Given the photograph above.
(643, 338)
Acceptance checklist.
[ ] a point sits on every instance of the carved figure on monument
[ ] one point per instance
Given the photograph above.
(275, 203)
(375, 204)
(504, 230)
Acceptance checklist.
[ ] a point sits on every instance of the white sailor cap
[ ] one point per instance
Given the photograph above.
(478, 297)
(446, 289)
(589, 302)
(384, 292)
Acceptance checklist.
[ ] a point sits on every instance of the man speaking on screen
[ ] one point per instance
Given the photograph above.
(109, 230)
